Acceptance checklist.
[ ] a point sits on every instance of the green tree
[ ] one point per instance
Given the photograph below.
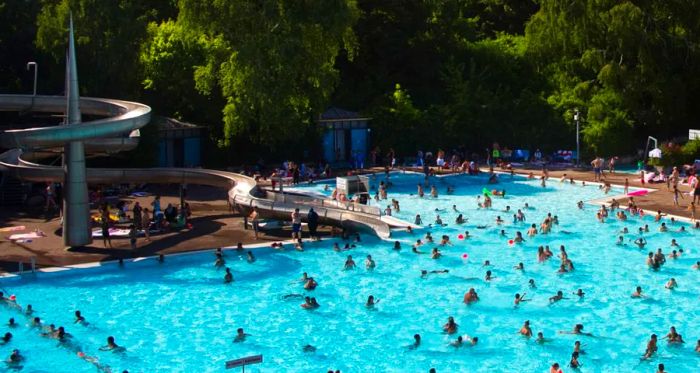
(272, 61)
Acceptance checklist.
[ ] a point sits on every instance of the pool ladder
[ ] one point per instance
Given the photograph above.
(21, 265)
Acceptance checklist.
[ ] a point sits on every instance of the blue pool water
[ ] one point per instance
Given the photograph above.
(179, 316)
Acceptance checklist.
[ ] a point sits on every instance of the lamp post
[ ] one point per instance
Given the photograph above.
(577, 117)
(36, 68)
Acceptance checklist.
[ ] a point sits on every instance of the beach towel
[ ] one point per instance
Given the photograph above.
(24, 236)
(13, 229)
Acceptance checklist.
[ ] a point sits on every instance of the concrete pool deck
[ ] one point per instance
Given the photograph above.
(215, 226)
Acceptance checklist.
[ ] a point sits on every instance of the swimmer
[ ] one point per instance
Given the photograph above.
(460, 219)
(111, 345)
(29, 310)
(471, 296)
(369, 263)
(573, 363)
(250, 257)
(424, 273)
(397, 245)
(240, 336)
(638, 293)
(525, 329)
(6, 338)
(697, 346)
(519, 299)
(674, 243)
(310, 284)
(696, 266)
(418, 220)
(457, 343)
(531, 283)
(371, 301)
(557, 297)
(580, 205)
(673, 336)
(488, 276)
(436, 254)
(466, 235)
(640, 242)
(578, 329)
(428, 237)
(579, 293)
(14, 357)
(487, 263)
(349, 263)
(454, 208)
(79, 319)
(555, 367)
(671, 284)
(416, 342)
(308, 348)
(620, 240)
(445, 240)
(562, 269)
(663, 228)
(577, 348)
(228, 277)
(651, 347)
(438, 220)
(541, 339)
(519, 237)
(499, 220)
(532, 231)
(219, 261)
(36, 322)
(451, 326)
(519, 267)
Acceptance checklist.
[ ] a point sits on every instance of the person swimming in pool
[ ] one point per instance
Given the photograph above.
(240, 336)
(519, 299)
(416, 342)
(651, 347)
(79, 319)
(541, 339)
(640, 242)
(519, 267)
(525, 329)
(6, 338)
(518, 237)
(458, 343)
(671, 284)
(638, 293)
(310, 284)
(349, 263)
(112, 346)
(574, 363)
(673, 336)
(250, 257)
(471, 296)
(228, 277)
(531, 283)
(220, 262)
(488, 276)
(578, 329)
(579, 293)
(460, 219)
(557, 297)
(451, 326)
(369, 263)
(14, 358)
(371, 301)
(532, 231)
(435, 254)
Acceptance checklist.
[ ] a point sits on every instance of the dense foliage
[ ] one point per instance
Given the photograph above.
(431, 73)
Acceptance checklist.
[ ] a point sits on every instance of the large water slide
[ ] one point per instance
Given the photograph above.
(117, 130)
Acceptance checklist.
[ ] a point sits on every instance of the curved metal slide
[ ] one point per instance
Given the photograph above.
(117, 130)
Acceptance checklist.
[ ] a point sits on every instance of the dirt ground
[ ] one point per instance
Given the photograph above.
(214, 225)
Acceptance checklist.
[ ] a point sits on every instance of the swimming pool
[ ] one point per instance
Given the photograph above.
(178, 316)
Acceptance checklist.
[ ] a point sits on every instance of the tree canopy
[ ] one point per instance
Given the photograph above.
(441, 73)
